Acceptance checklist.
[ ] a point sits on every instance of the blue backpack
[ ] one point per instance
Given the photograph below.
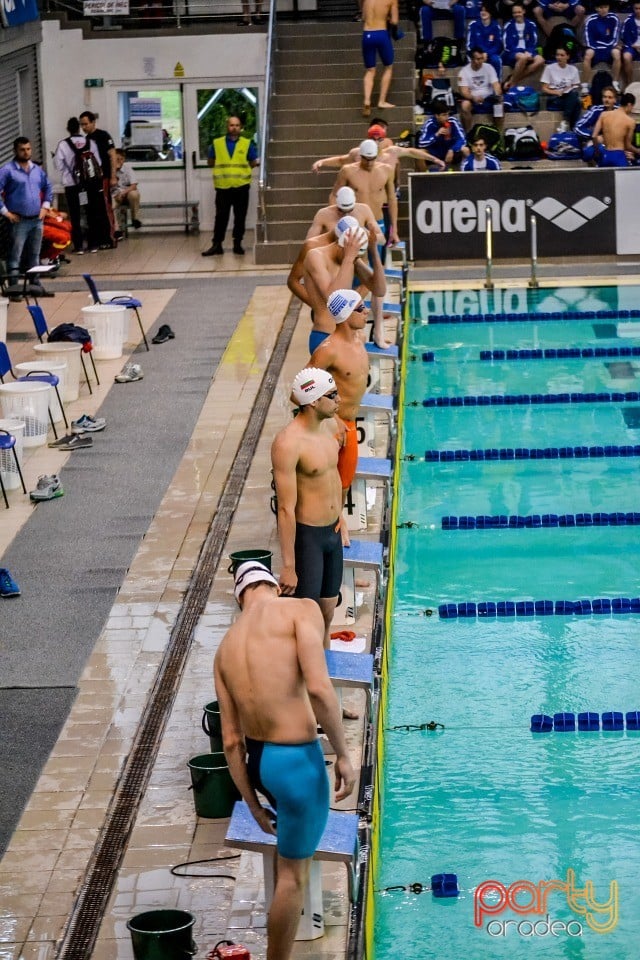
(522, 99)
(564, 146)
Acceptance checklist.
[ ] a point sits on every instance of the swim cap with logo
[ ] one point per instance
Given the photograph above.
(311, 384)
(342, 303)
(251, 571)
(350, 223)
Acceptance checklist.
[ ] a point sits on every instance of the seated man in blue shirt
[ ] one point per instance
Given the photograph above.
(520, 41)
(571, 11)
(485, 34)
(26, 195)
(480, 160)
(443, 136)
(601, 33)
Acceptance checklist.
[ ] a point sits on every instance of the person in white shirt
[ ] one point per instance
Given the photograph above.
(480, 89)
(126, 193)
(80, 194)
(561, 81)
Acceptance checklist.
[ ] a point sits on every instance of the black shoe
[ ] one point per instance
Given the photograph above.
(215, 250)
(108, 246)
(259, 20)
(164, 333)
(119, 235)
(136, 224)
(238, 250)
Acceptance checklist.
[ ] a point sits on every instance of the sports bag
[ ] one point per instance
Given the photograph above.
(440, 50)
(522, 143)
(523, 99)
(86, 169)
(564, 146)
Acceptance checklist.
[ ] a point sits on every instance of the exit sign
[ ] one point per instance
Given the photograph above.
(95, 82)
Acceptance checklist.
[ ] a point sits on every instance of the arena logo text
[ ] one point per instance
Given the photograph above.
(492, 898)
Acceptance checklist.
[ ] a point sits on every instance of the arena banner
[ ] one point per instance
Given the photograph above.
(576, 213)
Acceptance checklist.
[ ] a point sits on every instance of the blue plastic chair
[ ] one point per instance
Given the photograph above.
(8, 442)
(40, 376)
(129, 302)
(42, 330)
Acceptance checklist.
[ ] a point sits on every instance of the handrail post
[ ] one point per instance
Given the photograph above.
(533, 282)
(489, 248)
(265, 131)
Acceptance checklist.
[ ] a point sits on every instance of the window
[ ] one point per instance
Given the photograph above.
(151, 128)
(216, 105)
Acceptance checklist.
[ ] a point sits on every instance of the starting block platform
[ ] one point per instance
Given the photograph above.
(339, 843)
(371, 405)
(351, 670)
(377, 355)
(362, 494)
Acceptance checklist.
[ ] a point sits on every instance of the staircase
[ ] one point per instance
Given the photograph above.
(315, 112)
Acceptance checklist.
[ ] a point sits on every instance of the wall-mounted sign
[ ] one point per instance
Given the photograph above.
(105, 8)
(94, 82)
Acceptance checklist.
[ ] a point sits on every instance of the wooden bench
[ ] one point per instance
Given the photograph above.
(190, 219)
(339, 843)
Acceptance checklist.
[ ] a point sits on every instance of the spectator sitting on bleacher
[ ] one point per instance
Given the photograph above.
(572, 11)
(480, 89)
(485, 34)
(505, 8)
(443, 136)
(126, 193)
(441, 10)
(520, 41)
(480, 160)
(585, 126)
(630, 36)
(561, 82)
(601, 31)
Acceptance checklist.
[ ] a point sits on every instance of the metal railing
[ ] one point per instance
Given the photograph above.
(533, 282)
(488, 282)
(265, 120)
(151, 14)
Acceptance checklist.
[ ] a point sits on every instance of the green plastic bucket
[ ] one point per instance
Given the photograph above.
(241, 556)
(162, 935)
(214, 792)
(211, 725)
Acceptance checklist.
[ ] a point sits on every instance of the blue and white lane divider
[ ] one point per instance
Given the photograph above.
(565, 722)
(490, 609)
(528, 317)
(532, 453)
(532, 399)
(535, 520)
(554, 353)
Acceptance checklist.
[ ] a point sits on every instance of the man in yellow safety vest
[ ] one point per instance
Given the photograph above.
(232, 158)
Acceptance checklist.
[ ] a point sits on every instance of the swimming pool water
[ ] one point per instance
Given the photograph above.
(484, 798)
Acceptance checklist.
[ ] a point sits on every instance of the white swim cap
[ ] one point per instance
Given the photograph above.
(345, 199)
(342, 303)
(368, 149)
(251, 571)
(311, 384)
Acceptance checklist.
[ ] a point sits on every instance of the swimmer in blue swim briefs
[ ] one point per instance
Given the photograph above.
(273, 689)
(380, 22)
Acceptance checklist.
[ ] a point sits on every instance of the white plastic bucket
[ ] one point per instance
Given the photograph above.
(58, 368)
(4, 306)
(8, 469)
(69, 353)
(106, 296)
(28, 402)
(106, 323)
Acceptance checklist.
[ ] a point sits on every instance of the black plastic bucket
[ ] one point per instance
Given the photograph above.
(214, 792)
(211, 725)
(162, 935)
(241, 556)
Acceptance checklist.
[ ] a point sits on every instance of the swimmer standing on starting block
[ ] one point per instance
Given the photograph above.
(273, 687)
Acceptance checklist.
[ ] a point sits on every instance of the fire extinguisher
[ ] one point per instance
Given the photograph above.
(228, 950)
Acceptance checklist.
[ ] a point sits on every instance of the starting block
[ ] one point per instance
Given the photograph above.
(377, 357)
(338, 843)
(357, 501)
(363, 555)
(351, 670)
(370, 405)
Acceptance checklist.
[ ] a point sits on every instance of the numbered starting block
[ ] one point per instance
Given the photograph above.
(361, 555)
(338, 843)
(361, 495)
(378, 358)
(371, 406)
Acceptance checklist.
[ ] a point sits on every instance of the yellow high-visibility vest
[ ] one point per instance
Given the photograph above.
(231, 171)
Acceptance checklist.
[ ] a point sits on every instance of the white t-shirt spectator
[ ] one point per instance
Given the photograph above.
(479, 82)
(561, 78)
(126, 176)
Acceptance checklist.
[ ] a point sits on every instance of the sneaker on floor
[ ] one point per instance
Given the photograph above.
(76, 441)
(129, 373)
(8, 586)
(56, 444)
(87, 424)
(136, 224)
(164, 333)
(47, 488)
